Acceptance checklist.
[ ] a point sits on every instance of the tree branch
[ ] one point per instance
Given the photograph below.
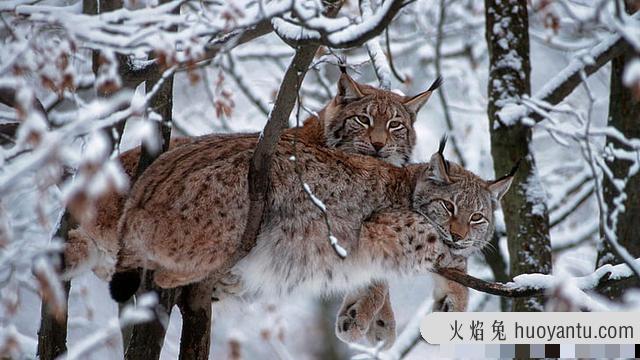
(278, 121)
(134, 75)
(527, 285)
(441, 93)
(349, 37)
(568, 79)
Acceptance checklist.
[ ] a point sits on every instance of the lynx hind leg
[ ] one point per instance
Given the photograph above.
(383, 327)
(78, 253)
(358, 310)
(449, 296)
(81, 254)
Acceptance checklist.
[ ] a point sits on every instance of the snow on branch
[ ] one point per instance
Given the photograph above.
(378, 59)
(567, 80)
(527, 285)
(333, 33)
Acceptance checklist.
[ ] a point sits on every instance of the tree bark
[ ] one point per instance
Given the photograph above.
(524, 207)
(499, 267)
(147, 339)
(52, 335)
(195, 306)
(624, 115)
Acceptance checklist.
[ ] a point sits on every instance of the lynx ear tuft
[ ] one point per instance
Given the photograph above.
(500, 186)
(439, 165)
(348, 89)
(415, 103)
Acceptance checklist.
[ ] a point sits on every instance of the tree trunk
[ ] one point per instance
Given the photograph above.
(499, 267)
(524, 207)
(624, 115)
(147, 338)
(52, 335)
(195, 306)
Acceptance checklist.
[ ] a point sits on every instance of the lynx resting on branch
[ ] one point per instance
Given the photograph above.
(360, 119)
(185, 214)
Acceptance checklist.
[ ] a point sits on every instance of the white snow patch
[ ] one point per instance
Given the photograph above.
(315, 200)
(631, 75)
(339, 249)
(511, 113)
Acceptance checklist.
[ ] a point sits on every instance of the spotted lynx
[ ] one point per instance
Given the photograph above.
(93, 244)
(360, 119)
(186, 235)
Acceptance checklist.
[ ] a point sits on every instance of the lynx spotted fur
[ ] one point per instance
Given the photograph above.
(171, 230)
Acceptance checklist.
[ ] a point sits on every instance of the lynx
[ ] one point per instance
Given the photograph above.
(360, 119)
(94, 243)
(185, 214)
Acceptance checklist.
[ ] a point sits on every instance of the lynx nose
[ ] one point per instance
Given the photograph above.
(377, 145)
(455, 237)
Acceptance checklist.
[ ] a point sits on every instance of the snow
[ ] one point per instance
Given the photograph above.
(587, 282)
(313, 198)
(339, 249)
(511, 113)
(632, 73)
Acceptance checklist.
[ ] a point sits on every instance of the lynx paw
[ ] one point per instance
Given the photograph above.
(383, 327)
(229, 285)
(351, 325)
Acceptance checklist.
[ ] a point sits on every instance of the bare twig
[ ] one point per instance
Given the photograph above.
(441, 94)
(246, 89)
(394, 71)
(333, 241)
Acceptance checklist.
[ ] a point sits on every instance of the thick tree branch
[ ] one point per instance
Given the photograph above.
(278, 121)
(539, 284)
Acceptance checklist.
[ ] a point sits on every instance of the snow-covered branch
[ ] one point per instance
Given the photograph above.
(527, 285)
(568, 79)
(334, 33)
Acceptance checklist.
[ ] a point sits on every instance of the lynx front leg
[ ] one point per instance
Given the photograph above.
(358, 311)
(449, 295)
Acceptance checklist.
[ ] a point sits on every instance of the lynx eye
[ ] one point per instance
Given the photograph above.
(448, 205)
(476, 218)
(358, 119)
(394, 125)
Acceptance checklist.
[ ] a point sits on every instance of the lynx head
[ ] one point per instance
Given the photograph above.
(366, 120)
(459, 203)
